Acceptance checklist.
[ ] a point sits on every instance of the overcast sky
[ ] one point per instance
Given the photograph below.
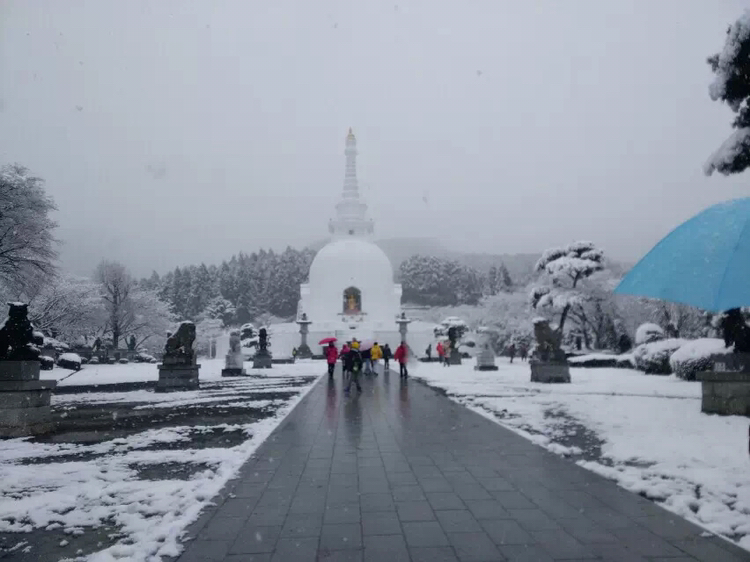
(174, 132)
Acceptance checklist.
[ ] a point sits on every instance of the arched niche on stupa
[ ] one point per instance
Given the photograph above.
(352, 300)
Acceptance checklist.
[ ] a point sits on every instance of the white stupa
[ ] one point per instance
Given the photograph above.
(351, 290)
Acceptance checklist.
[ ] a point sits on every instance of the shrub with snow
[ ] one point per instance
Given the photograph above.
(69, 361)
(653, 358)
(625, 361)
(598, 360)
(593, 360)
(57, 345)
(696, 356)
(144, 358)
(46, 363)
(648, 332)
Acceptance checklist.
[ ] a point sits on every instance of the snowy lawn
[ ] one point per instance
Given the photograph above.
(133, 469)
(644, 431)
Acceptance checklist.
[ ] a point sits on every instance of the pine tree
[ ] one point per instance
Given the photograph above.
(492, 282)
(505, 279)
(566, 268)
(732, 86)
(202, 290)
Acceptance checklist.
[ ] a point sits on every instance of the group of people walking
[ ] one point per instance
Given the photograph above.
(355, 360)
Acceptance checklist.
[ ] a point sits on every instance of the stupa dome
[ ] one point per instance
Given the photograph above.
(351, 262)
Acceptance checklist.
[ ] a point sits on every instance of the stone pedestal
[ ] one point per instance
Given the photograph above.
(234, 365)
(486, 360)
(549, 372)
(262, 360)
(24, 400)
(175, 375)
(725, 392)
(454, 358)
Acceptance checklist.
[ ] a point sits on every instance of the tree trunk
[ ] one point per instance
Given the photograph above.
(586, 339)
(563, 316)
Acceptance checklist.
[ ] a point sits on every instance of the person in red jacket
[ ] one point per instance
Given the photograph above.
(441, 352)
(401, 356)
(332, 354)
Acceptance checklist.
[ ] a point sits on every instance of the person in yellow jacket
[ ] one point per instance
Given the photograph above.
(375, 354)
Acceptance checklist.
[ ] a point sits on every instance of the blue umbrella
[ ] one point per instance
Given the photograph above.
(704, 262)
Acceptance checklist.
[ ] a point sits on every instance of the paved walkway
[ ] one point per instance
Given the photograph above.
(403, 473)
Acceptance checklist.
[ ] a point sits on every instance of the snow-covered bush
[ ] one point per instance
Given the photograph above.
(46, 363)
(599, 360)
(57, 345)
(69, 361)
(625, 361)
(653, 358)
(144, 358)
(593, 360)
(696, 356)
(648, 332)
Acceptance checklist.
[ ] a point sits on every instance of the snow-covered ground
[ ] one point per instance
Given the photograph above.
(650, 435)
(147, 484)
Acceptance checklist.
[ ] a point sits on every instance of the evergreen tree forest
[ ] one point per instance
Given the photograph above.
(432, 281)
(237, 291)
(249, 286)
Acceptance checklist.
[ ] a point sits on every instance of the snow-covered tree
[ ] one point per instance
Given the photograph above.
(506, 282)
(129, 309)
(67, 308)
(649, 332)
(732, 86)
(433, 281)
(220, 308)
(564, 269)
(27, 246)
(492, 281)
(207, 330)
(116, 285)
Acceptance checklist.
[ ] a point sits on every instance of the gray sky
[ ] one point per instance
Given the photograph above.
(171, 132)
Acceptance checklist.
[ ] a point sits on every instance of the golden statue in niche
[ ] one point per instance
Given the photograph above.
(352, 301)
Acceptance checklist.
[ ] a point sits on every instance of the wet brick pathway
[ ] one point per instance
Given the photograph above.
(401, 473)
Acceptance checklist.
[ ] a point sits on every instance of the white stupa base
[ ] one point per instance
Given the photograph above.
(285, 337)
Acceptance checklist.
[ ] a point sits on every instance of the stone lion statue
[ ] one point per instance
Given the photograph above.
(234, 341)
(18, 340)
(180, 344)
(547, 342)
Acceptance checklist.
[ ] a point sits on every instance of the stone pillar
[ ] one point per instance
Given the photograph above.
(174, 376)
(726, 389)
(24, 400)
(304, 351)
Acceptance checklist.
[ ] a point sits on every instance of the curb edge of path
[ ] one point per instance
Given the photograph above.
(214, 504)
